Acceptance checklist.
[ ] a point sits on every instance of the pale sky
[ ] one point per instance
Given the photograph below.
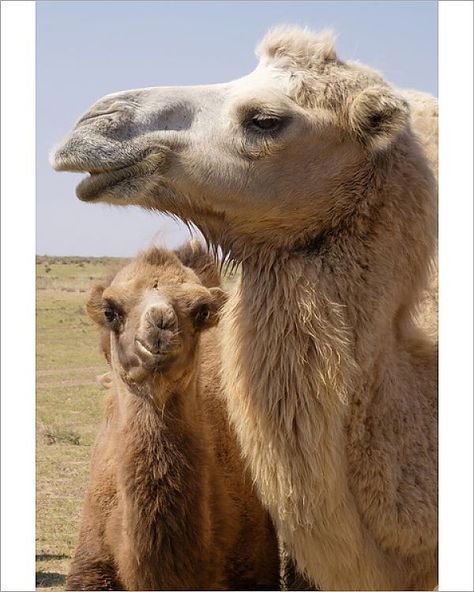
(88, 49)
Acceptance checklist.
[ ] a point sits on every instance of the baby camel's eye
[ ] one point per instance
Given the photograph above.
(202, 314)
(111, 314)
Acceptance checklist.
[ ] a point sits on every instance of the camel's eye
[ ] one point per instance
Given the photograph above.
(202, 314)
(111, 315)
(264, 123)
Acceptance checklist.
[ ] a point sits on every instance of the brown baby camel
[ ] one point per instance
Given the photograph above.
(169, 504)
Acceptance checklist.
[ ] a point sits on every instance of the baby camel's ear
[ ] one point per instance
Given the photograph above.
(94, 305)
(219, 296)
(194, 255)
(206, 310)
(376, 116)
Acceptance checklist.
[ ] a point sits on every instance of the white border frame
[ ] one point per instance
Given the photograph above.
(456, 303)
(18, 294)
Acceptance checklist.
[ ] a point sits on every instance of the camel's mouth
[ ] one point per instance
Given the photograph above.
(153, 352)
(98, 184)
(157, 359)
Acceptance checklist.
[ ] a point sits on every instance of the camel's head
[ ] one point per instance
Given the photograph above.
(151, 316)
(263, 156)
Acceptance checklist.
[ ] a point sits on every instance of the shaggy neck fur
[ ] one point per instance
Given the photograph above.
(310, 339)
(164, 479)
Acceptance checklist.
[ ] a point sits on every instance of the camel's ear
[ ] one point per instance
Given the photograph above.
(105, 380)
(94, 306)
(95, 310)
(206, 309)
(219, 297)
(376, 117)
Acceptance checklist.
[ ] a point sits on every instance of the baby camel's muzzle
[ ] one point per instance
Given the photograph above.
(157, 339)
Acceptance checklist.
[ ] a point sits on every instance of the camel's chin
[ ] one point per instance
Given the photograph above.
(100, 187)
(119, 184)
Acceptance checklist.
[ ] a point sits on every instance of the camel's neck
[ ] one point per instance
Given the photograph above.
(302, 334)
(363, 276)
(160, 435)
(151, 412)
(162, 402)
(162, 472)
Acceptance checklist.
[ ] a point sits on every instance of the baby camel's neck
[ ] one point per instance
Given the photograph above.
(159, 423)
(158, 401)
(162, 476)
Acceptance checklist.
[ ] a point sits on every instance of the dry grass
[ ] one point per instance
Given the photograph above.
(69, 406)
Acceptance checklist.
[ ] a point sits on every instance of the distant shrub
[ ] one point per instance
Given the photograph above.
(53, 435)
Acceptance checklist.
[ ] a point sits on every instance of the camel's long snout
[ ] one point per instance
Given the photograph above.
(122, 128)
(99, 141)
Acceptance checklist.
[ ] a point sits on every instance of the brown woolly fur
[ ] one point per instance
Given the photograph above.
(319, 178)
(192, 255)
(169, 504)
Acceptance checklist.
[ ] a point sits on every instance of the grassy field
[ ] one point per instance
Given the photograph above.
(69, 406)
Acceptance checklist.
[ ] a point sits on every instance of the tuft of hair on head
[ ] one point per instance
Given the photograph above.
(193, 254)
(301, 47)
(376, 116)
(156, 256)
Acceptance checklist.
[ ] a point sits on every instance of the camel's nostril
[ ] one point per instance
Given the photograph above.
(95, 115)
(161, 317)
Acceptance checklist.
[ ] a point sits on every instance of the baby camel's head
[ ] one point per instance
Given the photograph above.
(153, 312)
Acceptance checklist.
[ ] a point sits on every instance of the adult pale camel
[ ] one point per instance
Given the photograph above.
(308, 173)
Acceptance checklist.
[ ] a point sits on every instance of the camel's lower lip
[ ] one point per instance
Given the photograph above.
(96, 184)
(90, 188)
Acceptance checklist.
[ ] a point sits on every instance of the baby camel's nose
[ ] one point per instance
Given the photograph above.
(160, 316)
(157, 333)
